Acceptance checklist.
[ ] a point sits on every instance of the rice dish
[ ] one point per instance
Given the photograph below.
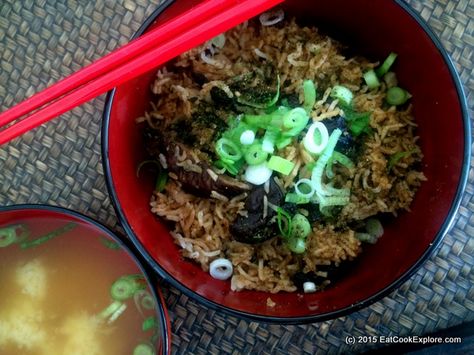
(279, 154)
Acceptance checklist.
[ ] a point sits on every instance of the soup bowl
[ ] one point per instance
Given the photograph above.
(70, 285)
(373, 29)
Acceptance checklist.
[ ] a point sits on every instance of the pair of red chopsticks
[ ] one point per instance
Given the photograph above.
(192, 28)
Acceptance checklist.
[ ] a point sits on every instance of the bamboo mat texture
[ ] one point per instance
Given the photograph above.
(59, 163)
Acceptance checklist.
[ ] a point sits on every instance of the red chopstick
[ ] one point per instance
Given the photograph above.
(155, 55)
(166, 31)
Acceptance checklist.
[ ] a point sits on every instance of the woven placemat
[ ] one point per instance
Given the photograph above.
(60, 164)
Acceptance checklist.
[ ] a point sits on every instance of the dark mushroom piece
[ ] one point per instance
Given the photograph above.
(198, 177)
(255, 227)
(334, 273)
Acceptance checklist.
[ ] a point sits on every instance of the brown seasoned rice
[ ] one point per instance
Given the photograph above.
(201, 225)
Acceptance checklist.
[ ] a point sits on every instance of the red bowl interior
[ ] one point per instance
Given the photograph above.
(37, 214)
(373, 28)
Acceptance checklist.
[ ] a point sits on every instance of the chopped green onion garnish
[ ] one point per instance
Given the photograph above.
(374, 227)
(126, 286)
(110, 309)
(366, 238)
(258, 174)
(294, 122)
(284, 222)
(297, 245)
(296, 199)
(247, 137)
(269, 139)
(309, 92)
(227, 149)
(317, 174)
(316, 139)
(395, 158)
(301, 226)
(109, 243)
(371, 79)
(144, 349)
(8, 236)
(161, 181)
(255, 154)
(304, 188)
(397, 96)
(343, 94)
(386, 65)
(281, 165)
(149, 323)
(283, 142)
(49, 236)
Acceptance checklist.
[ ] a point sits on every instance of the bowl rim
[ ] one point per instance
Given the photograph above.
(447, 223)
(161, 311)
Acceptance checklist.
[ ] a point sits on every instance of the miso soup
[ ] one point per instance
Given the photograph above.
(66, 288)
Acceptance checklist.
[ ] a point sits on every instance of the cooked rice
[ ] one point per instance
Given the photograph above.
(201, 225)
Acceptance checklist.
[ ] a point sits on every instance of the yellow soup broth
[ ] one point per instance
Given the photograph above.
(55, 293)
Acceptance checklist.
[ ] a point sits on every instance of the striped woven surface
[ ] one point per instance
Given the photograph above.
(60, 164)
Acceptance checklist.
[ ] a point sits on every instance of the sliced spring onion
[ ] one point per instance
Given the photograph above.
(117, 313)
(309, 92)
(283, 142)
(143, 299)
(284, 223)
(371, 79)
(317, 173)
(221, 269)
(63, 230)
(342, 93)
(386, 65)
(110, 309)
(271, 17)
(149, 323)
(227, 149)
(297, 245)
(296, 199)
(161, 181)
(255, 154)
(269, 139)
(395, 158)
(390, 79)
(333, 201)
(264, 121)
(144, 349)
(229, 167)
(309, 287)
(280, 165)
(125, 287)
(259, 121)
(218, 41)
(109, 243)
(258, 174)
(301, 226)
(397, 96)
(374, 227)
(247, 137)
(294, 122)
(316, 139)
(366, 238)
(341, 159)
(304, 188)
(7, 236)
